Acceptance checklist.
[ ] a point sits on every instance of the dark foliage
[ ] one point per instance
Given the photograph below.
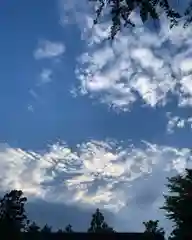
(120, 11)
(68, 229)
(152, 229)
(33, 228)
(98, 224)
(13, 219)
(178, 205)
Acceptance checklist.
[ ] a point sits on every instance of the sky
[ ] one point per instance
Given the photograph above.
(86, 123)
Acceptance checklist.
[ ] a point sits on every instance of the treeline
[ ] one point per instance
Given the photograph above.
(14, 223)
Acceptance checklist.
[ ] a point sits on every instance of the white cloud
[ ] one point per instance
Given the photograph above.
(30, 108)
(139, 62)
(177, 122)
(48, 49)
(45, 76)
(107, 174)
(18, 170)
(186, 65)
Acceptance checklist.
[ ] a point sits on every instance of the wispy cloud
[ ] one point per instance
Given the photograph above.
(48, 49)
(45, 77)
(140, 62)
(175, 122)
(33, 93)
(103, 174)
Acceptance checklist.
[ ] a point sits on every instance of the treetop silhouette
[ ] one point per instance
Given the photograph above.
(120, 12)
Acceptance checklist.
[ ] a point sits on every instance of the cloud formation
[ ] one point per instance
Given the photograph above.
(48, 49)
(175, 122)
(140, 63)
(108, 174)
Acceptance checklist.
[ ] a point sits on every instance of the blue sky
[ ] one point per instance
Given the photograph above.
(85, 123)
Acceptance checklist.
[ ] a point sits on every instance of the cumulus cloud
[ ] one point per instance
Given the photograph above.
(139, 63)
(175, 122)
(108, 174)
(48, 49)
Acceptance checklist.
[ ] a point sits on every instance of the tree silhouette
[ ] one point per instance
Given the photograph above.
(98, 223)
(60, 231)
(33, 231)
(178, 204)
(13, 219)
(33, 228)
(46, 232)
(120, 11)
(152, 229)
(15, 225)
(46, 229)
(68, 229)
